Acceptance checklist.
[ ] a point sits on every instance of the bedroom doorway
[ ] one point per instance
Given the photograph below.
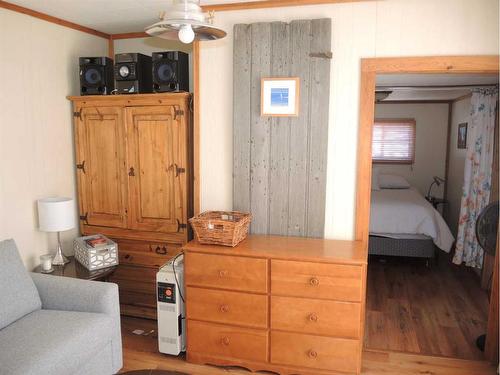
(441, 309)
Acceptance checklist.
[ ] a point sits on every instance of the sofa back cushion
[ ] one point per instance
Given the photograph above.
(18, 293)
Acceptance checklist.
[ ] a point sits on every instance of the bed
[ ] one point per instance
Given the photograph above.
(404, 223)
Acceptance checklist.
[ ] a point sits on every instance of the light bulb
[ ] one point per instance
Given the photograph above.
(186, 34)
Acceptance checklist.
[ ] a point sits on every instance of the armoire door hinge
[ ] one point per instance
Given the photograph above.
(77, 114)
(178, 112)
(180, 225)
(84, 217)
(81, 166)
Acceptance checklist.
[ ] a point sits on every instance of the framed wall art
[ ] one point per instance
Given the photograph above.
(280, 96)
(462, 135)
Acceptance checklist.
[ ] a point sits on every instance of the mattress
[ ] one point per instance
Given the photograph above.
(405, 213)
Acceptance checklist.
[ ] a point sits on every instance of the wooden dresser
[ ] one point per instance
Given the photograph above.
(284, 304)
(134, 171)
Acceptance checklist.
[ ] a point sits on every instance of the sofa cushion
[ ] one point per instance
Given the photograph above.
(18, 293)
(53, 342)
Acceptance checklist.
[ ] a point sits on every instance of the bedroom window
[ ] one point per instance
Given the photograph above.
(393, 141)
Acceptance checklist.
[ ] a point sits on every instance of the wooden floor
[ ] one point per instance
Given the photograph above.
(438, 311)
(141, 352)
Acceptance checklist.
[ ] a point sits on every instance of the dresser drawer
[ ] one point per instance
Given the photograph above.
(218, 306)
(331, 318)
(137, 299)
(316, 280)
(226, 272)
(225, 341)
(142, 258)
(160, 248)
(317, 352)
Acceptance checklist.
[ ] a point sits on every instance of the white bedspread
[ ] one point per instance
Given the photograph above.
(405, 211)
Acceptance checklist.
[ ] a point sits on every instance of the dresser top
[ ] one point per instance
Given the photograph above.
(291, 248)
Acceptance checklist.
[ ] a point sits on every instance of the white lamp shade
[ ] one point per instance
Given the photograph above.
(56, 214)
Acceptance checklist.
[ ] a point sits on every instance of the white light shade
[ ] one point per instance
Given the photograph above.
(56, 214)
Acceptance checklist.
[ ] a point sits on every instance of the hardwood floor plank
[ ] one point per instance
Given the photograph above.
(438, 310)
(141, 352)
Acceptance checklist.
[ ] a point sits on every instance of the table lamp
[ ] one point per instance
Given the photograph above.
(56, 214)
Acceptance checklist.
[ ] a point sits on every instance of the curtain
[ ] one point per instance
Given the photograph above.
(477, 175)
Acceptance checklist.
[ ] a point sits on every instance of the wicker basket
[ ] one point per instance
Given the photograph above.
(227, 228)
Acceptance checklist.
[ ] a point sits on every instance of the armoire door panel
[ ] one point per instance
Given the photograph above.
(101, 166)
(155, 138)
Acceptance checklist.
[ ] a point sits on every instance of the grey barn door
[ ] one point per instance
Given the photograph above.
(279, 163)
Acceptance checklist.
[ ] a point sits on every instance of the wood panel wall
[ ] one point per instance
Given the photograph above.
(279, 163)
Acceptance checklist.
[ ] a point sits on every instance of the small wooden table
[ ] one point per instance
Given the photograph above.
(76, 270)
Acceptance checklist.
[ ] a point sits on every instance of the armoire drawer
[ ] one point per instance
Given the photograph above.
(148, 287)
(140, 258)
(134, 273)
(317, 352)
(226, 272)
(330, 318)
(227, 341)
(160, 248)
(137, 299)
(243, 309)
(317, 280)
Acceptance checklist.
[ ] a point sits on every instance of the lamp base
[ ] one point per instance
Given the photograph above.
(59, 259)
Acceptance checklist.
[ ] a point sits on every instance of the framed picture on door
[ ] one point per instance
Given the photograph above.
(280, 96)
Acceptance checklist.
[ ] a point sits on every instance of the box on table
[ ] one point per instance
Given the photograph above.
(95, 252)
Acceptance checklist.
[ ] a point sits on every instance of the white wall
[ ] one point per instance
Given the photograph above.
(460, 113)
(430, 143)
(360, 29)
(149, 45)
(38, 69)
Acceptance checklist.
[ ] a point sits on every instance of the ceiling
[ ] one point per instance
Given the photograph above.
(108, 16)
(431, 86)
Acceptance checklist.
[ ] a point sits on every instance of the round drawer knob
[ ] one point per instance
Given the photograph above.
(223, 273)
(127, 256)
(312, 354)
(225, 341)
(314, 281)
(224, 308)
(313, 317)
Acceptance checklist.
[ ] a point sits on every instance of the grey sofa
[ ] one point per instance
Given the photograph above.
(56, 325)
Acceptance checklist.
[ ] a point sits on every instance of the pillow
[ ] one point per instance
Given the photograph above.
(375, 182)
(18, 293)
(392, 181)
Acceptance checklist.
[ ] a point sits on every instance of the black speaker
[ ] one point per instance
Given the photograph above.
(170, 71)
(96, 75)
(133, 73)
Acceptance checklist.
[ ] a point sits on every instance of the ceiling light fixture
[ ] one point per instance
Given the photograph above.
(185, 21)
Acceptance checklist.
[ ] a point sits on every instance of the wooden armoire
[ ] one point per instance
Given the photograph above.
(134, 173)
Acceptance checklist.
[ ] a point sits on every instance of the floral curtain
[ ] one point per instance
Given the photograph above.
(477, 175)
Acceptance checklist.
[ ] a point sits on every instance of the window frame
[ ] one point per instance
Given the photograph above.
(397, 121)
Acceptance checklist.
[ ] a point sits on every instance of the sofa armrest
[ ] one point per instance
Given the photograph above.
(69, 294)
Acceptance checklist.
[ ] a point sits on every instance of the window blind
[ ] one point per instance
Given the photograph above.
(393, 141)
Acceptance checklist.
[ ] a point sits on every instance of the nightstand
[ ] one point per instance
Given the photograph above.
(436, 201)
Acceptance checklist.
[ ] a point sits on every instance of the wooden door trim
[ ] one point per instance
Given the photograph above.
(369, 69)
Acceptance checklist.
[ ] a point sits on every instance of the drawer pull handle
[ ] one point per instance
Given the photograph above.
(223, 273)
(313, 317)
(314, 281)
(224, 308)
(127, 256)
(225, 341)
(312, 354)
(162, 250)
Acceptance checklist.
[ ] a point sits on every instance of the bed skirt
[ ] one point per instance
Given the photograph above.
(420, 248)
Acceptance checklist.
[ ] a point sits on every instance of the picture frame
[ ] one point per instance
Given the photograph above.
(462, 136)
(280, 96)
